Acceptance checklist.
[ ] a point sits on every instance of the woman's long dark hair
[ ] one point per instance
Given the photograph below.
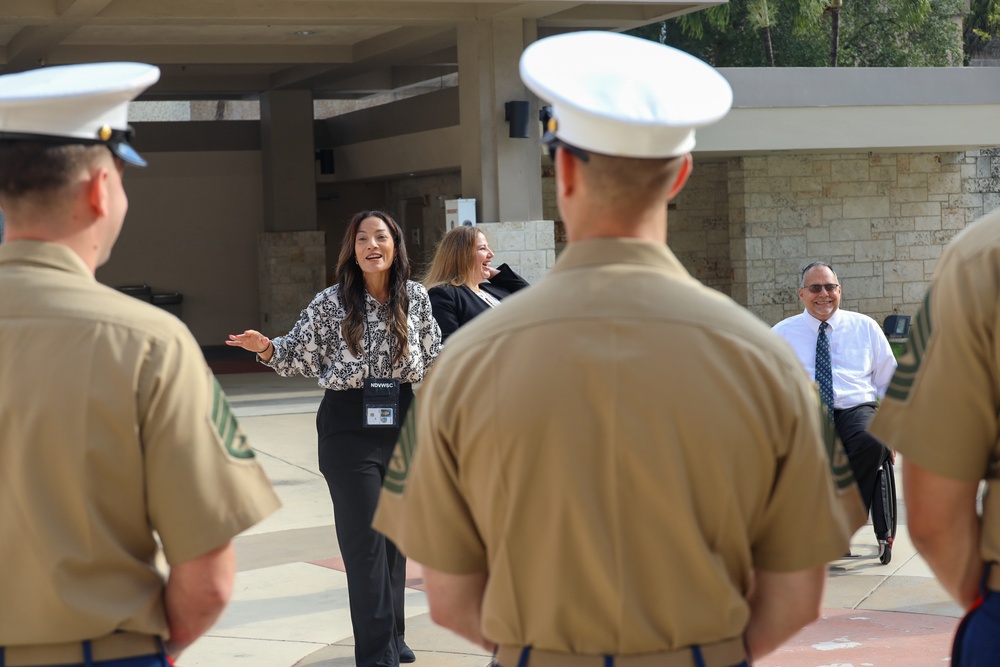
(351, 279)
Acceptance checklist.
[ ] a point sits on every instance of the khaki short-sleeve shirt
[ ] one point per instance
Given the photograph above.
(941, 407)
(111, 427)
(619, 447)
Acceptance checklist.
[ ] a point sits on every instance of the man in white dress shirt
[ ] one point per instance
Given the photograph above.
(861, 363)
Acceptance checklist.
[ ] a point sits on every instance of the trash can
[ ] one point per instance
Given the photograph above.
(170, 302)
(141, 292)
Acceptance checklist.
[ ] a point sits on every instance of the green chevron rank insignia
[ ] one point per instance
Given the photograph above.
(841, 472)
(402, 456)
(840, 465)
(916, 346)
(230, 433)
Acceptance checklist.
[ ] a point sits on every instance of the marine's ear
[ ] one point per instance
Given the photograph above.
(682, 176)
(566, 171)
(96, 191)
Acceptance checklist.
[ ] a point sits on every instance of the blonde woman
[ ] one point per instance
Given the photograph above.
(462, 284)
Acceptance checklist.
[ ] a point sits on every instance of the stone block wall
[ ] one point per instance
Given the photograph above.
(528, 247)
(881, 219)
(550, 206)
(292, 270)
(748, 225)
(698, 225)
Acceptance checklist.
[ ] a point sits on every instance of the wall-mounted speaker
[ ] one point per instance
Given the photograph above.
(516, 113)
(325, 157)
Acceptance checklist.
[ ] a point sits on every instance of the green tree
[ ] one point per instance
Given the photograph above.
(732, 35)
(834, 11)
(909, 33)
(981, 27)
(883, 33)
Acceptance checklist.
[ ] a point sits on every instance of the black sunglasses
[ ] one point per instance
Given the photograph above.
(816, 289)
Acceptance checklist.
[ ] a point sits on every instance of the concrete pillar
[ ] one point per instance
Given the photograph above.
(291, 252)
(288, 157)
(292, 269)
(501, 173)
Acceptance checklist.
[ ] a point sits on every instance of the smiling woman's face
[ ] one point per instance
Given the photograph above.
(483, 256)
(373, 246)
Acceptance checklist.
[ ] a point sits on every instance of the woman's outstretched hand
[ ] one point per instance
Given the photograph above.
(254, 341)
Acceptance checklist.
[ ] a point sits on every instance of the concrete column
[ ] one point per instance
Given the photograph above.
(291, 252)
(292, 268)
(501, 173)
(288, 157)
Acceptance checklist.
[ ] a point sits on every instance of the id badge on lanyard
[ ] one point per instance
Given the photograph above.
(381, 403)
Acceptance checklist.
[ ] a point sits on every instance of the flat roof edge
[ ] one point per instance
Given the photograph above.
(929, 127)
(770, 87)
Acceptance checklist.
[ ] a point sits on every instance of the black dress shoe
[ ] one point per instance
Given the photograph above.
(405, 653)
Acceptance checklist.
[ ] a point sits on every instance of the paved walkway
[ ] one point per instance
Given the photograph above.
(290, 604)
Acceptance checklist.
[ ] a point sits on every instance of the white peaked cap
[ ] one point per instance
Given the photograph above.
(624, 96)
(85, 104)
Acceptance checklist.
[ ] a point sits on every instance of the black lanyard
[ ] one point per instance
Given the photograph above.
(381, 395)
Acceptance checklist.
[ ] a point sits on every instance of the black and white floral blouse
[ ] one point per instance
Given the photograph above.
(315, 347)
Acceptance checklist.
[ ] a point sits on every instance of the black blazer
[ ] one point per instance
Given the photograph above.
(454, 305)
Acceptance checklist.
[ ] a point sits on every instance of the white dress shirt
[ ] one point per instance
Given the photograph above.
(860, 357)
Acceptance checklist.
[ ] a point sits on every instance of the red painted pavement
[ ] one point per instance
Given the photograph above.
(414, 573)
(840, 638)
(862, 638)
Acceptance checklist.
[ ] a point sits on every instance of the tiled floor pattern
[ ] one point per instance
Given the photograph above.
(290, 605)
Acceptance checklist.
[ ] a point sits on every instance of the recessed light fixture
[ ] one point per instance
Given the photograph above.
(304, 33)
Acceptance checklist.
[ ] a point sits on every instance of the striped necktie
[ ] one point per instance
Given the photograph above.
(824, 374)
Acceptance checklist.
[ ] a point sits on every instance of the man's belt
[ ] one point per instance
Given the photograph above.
(721, 654)
(111, 647)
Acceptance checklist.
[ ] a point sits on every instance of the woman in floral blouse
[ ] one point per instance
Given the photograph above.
(374, 325)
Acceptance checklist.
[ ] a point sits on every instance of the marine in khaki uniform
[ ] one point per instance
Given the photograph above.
(620, 467)
(940, 412)
(114, 436)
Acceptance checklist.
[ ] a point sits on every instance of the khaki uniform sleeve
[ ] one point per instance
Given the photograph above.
(941, 407)
(204, 485)
(814, 506)
(422, 508)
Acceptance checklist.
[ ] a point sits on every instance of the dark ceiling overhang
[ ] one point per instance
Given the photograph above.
(238, 49)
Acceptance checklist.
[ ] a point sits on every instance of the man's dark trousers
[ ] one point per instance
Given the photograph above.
(865, 453)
